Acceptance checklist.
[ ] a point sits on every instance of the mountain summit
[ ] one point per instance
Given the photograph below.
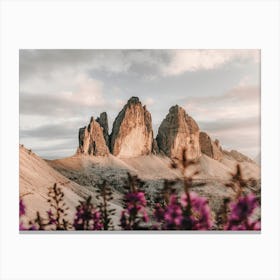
(132, 136)
(132, 133)
(91, 140)
(179, 132)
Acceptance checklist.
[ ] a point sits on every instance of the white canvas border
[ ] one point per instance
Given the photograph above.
(157, 24)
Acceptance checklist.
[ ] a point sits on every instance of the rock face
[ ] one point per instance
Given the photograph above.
(132, 133)
(155, 149)
(103, 121)
(179, 132)
(91, 140)
(132, 136)
(210, 148)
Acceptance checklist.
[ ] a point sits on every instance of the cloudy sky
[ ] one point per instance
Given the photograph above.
(61, 89)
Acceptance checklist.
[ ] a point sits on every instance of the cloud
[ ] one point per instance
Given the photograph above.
(58, 138)
(44, 63)
(86, 94)
(149, 101)
(233, 118)
(59, 87)
(194, 60)
(236, 103)
(36, 65)
(244, 139)
(119, 103)
(230, 124)
(52, 148)
(62, 130)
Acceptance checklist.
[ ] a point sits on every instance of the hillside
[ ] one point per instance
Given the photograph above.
(153, 170)
(36, 176)
(150, 167)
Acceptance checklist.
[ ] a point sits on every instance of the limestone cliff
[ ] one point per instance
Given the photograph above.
(132, 133)
(103, 121)
(91, 140)
(210, 148)
(179, 132)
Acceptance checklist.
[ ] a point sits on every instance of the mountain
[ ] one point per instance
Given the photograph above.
(103, 121)
(132, 136)
(132, 133)
(91, 140)
(179, 133)
(132, 148)
(209, 147)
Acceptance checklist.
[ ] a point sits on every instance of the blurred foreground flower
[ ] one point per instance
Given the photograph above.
(87, 217)
(241, 214)
(135, 211)
(21, 208)
(190, 212)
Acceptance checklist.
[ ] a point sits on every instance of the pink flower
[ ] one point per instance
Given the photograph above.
(21, 208)
(135, 211)
(188, 212)
(240, 217)
(159, 212)
(87, 217)
(173, 213)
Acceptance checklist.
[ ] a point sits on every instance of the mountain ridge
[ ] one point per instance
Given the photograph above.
(132, 135)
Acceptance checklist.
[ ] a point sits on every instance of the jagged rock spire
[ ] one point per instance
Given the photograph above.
(210, 148)
(91, 140)
(103, 121)
(132, 133)
(179, 132)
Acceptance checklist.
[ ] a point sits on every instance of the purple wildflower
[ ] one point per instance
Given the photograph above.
(21, 213)
(173, 214)
(240, 217)
(188, 212)
(201, 213)
(135, 211)
(87, 217)
(197, 213)
(22, 226)
(243, 207)
(96, 220)
(255, 225)
(135, 201)
(159, 212)
(21, 208)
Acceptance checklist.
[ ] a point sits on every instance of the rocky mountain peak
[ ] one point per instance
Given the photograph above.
(132, 136)
(103, 121)
(209, 147)
(91, 140)
(178, 132)
(133, 100)
(132, 133)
